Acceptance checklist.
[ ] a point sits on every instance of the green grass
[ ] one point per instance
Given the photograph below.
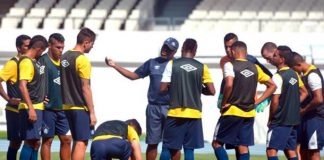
(3, 135)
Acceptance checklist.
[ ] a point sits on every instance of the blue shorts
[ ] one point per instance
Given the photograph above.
(79, 123)
(311, 134)
(234, 131)
(282, 137)
(155, 119)
(186, 132)
(12, 126)
(30, 130)
(110, 148)
(54, 123)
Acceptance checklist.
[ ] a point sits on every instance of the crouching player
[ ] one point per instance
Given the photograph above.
(117, 139)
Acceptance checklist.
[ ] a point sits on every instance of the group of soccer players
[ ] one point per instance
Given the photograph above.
(49, 94)
(296, 117)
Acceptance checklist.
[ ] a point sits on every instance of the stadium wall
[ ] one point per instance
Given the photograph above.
(116, 97)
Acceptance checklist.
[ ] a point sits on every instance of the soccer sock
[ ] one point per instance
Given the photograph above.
(12, 153)
(165, 154)
(26, 152)
(244, 156)
(273, 158)
(220, 153)
(34, 154)
(295, 158)
(189, 154)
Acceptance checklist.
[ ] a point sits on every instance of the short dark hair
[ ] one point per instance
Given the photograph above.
(269, 46)
(85, 34)
(189, 45)
(239, 45)
(286, 53)
(38, 41)
(56, 36)
(20, 40)
(230, 36)
(297, 58)
(136, 125)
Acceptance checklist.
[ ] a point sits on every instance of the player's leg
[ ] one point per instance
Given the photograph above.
(46, 148)
(13, 134)
(63, 131)
(173, 138)
(226, 132)
(79, 123)
(31, 132)
(154, 126)
(246, 138)
(48, 133)
(194, 137)
(313, 137)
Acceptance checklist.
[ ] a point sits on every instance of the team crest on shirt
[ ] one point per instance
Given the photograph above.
(65, 63)
(292, 81)
(41, 69)
(57, 80)
(247, 73)
(188, 67)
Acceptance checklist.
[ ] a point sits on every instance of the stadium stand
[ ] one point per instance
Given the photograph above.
(189, 15)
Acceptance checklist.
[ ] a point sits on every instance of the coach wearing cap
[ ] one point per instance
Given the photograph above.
(158, 103)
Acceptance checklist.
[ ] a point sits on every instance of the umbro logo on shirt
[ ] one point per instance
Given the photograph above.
(41, 69)
(247, 73)
(157, 67)
(188, 67)
(65, 63)
(57, 80)
(292, 81)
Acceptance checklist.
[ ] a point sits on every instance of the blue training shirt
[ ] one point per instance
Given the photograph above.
(154, 68)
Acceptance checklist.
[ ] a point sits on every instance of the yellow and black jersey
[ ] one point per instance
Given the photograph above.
(309, 81)
(74, 66)
(289, 103)
(35, 74)
(187, 77)
(9, 74)
(115, 129)
(246, 77)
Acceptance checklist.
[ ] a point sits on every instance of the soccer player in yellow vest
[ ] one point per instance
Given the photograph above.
(9, 74)
(32, 79)
(76, 92)
(235, 126)
(187, 79)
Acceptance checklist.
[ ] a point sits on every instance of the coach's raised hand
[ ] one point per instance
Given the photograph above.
(110, 62)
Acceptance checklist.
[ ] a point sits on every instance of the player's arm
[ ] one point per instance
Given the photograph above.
(277, 79)
(302, 89)
(266, 80)
(126, 73)
(84, 70)
(26, 74)
(133, 138)
(136, 153)
(87, 94)
(208, 87)
(315, 84)
(166, 77)
(7, 73)
(273, 106)
(228, 87)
